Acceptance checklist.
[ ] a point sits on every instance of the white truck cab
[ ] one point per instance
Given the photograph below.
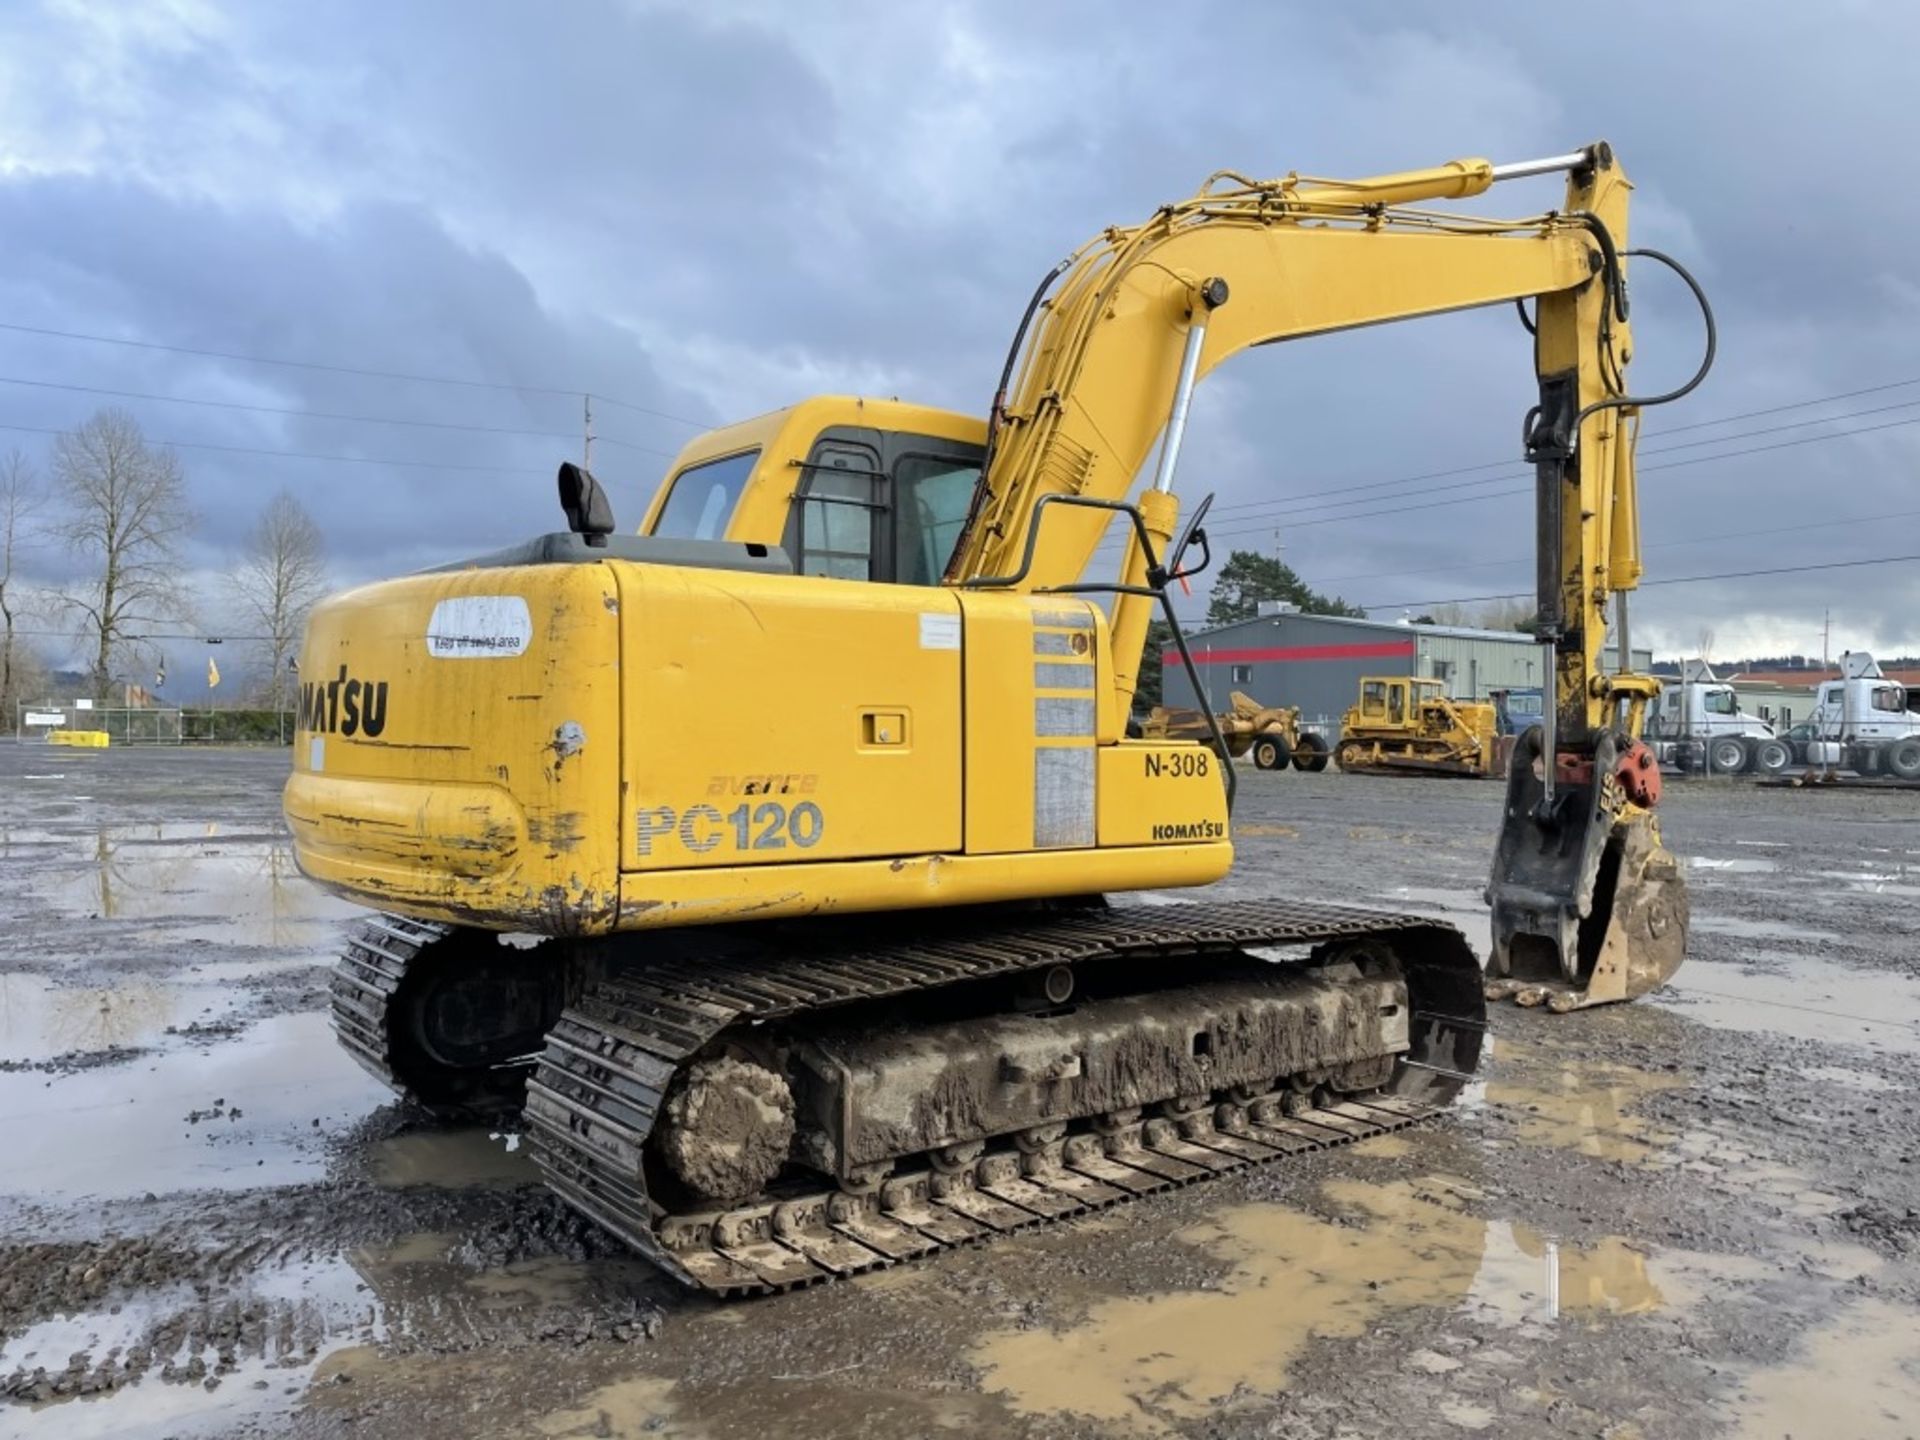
(1866, 722)
(1698, 725)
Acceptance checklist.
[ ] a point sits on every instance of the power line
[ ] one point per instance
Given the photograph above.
(1527, 489)
(1670, 580)
(1267, 510)
(319, 414)
(301, 454)
(1662, 545)
(571, 393)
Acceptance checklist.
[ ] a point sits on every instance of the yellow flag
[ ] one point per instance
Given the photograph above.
(213, 673)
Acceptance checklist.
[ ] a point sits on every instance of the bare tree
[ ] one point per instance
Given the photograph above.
(283, 571)
(21, 497)
(125, 505)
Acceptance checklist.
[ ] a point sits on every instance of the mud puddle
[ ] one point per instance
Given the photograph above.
(451, 1158)
(1858, 1375)
(1150, 1362)
(246, 1112)
(1810, 1000)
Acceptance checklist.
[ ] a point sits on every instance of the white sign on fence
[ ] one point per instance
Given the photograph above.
(42, 717)
(83, 704)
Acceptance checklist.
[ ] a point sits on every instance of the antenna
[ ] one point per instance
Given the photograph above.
(586, 432)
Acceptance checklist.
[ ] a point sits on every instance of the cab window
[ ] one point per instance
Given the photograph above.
(1373, 698)
(839, 509)
(1889, 698)
(1721, 702)
(702, 498)
(1397, 704)
(931, 495)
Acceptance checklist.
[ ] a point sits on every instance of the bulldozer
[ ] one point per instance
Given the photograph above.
(779, 1003)
(1269, 735)
(1407, 725)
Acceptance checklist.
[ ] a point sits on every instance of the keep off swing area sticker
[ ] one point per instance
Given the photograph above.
(479, 627)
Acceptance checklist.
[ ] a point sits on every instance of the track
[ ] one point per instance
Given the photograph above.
(593, 1100)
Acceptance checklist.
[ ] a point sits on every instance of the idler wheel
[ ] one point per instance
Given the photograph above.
(726, 1128)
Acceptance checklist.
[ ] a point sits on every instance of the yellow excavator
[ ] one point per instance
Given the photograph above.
(828, 980)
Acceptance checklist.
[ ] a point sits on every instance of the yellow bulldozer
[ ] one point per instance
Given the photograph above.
(1269, 735)
(1406, 725)
(814, 997)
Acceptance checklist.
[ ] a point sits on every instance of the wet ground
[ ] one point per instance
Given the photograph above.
(1694, 1216)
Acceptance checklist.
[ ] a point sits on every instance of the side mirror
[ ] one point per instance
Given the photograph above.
(589, 512)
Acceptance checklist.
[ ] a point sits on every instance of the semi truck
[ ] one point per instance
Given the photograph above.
(1698, 725)
(1864, 721)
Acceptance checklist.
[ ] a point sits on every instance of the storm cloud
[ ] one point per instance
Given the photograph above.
(704, 211)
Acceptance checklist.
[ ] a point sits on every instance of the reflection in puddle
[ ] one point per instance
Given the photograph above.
(1854, 1377)
(39, 1019)
(454, 1158)
(248, 892)
(1737, 867)
(1815, 1000)
(1589, 1108)
(1154, 1360)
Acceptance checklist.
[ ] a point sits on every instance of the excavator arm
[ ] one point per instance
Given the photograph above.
(1588, 906)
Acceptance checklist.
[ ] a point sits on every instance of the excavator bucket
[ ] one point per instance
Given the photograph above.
(1588, 905)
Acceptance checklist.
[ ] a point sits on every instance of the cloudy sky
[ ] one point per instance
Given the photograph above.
(702, 211)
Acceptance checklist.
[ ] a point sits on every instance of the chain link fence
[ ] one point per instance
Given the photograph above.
(154, 725)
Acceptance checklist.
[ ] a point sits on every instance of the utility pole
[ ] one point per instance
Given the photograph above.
(586, 432)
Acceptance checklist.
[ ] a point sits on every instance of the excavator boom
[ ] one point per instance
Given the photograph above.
(1587, 903)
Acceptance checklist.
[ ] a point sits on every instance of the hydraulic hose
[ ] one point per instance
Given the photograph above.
(1647, 402)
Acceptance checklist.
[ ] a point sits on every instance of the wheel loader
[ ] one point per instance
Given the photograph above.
(778, 1003)
(1269, 735)
(1406, 725)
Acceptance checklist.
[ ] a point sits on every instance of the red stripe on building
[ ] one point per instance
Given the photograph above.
(1379, 650)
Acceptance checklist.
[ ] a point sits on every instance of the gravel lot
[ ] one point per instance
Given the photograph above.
(1693, 1216)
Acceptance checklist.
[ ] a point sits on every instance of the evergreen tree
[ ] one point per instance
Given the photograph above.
(1249, 577)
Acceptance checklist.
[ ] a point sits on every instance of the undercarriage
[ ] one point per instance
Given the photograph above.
(764, 1107)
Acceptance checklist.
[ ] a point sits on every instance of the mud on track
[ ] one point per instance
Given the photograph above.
(1694, 1216)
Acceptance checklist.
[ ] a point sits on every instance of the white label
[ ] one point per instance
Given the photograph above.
(83, 704)
(37, 717)
(479, 627)
(317, 754)
(939, 632)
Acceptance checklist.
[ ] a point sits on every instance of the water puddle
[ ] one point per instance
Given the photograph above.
(1855, 1376)
(626, 1407)
(1737, 867)
(1814, 1000)
(1851, 1078)
(202, 890)
(248, 1111)
(39, 1020)
(454, 1159)
(1589, 1108)
(1744, 929)
(1151, 1362)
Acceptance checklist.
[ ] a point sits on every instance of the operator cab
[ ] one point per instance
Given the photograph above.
(850, 488)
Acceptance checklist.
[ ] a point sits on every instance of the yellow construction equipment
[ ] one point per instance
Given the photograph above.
(1406, 725)
(826, 981)
(1269, 735)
